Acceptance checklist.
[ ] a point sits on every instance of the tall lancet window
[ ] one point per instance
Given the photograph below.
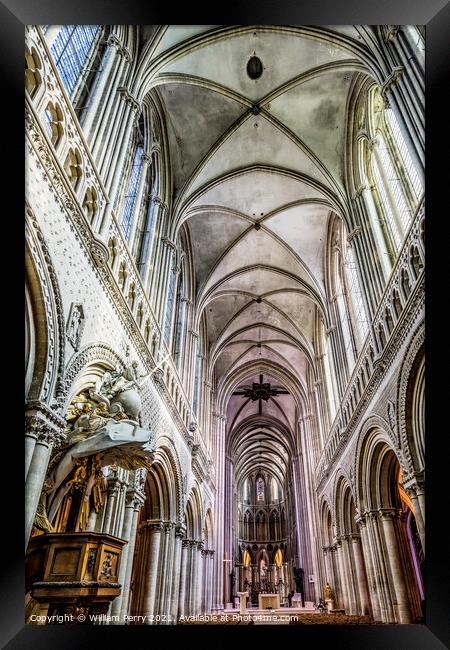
(132, 191)
(355, 296)
(179, 321)
(405, 156)
(198, 374)
(396, 178)
(169, 306)
(260, 490)
(71, 51)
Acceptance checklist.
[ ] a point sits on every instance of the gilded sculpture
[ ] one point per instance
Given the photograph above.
(103, 429)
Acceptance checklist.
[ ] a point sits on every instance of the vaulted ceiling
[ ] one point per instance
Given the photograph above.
(258, 166)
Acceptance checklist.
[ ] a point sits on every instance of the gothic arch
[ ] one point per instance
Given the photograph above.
(46, 376)
(86, 364)
(410, 402)
(374, 446)
(374, 429)
(166, 451)
(194, 512)
(341, 486)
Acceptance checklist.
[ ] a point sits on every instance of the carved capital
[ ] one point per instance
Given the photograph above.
(155, 525)
(359, 190)
(168, 525)
(169, 243)
(44, 424)
(354, 233)
(391, 33)
(130, 101)
(114, 42)
(180, 531)
(134, 499)
(387, 513)
(393, 78)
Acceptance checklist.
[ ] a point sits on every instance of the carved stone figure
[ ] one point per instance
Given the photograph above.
(102, 428)
(328, 593)
(75, 325)
(118, 390)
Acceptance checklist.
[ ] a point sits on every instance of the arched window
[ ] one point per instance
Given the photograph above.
(403, 151)
(260, 489)
(275, 490)
(179, 321)
(132, 190)
(169, 305)
(197, 378)
(397, 182)
(358, 309)
(72, 50)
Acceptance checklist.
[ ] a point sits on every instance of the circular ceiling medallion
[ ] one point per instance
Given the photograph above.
(254, 67)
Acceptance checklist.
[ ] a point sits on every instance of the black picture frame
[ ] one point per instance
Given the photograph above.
(435, 15)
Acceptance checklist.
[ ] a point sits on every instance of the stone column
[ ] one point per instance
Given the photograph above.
(130, 559)
(30, 443)
(145, 163)
(328, 566)
(113, 491)
(193, 577)
(381, 577)
(349, 561)
(204, 587)
(183, 576)
(166, 563)
(115, 171)
(132, 506)
(44, 430)
(199, 579)
(361, 575)
(368, 555)
(162, 280)
(397, 570)
(35, 479)
(159, 207)
(176, 574)
(97, 128)
(342, 576)
(151, 571)
(416, 492)
(218, 599)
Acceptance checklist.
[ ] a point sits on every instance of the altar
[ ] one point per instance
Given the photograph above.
(269, 601)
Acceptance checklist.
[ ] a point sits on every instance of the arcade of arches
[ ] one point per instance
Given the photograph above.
(225, 319)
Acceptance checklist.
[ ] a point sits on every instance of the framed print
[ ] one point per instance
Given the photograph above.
(225, 423)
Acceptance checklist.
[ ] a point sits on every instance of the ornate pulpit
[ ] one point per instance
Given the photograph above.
(76, 573)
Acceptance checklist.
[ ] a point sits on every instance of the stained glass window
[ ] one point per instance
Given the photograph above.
(71, 49)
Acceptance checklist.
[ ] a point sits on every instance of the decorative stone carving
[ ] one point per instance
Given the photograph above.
(392, 415)
(393, 77)
(99, 251)
(102, 426)
(75, 324)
